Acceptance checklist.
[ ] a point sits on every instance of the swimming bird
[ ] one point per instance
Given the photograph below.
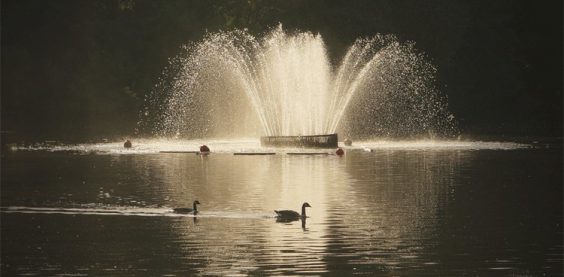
(187, 210)
(289, 214)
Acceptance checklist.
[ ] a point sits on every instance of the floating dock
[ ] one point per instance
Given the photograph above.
(307, 153)
(180, 152)
(316, 141)
(253, 153)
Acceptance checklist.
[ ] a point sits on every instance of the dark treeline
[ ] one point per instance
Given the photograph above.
(75, 70)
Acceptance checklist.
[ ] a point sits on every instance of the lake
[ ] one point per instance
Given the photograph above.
(382, 209)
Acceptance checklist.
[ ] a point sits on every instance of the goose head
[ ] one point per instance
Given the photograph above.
(196, 207)
(304, 206)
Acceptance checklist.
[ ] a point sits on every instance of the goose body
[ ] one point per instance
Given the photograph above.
(182, 210)
(194, 209)
(289, 214)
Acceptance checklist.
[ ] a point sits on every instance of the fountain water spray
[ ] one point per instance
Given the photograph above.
(234, 84)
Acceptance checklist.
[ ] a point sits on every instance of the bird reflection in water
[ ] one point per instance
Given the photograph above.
(290, 220)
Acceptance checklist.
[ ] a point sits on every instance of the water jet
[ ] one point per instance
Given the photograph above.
(282, 88)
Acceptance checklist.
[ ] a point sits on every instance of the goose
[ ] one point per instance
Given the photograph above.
(289, 214)
(187, 210)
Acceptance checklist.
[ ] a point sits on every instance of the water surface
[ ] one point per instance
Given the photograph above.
(411, 209)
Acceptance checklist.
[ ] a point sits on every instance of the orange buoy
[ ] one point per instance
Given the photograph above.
(204, 149)
(340, 152)
(127, 144)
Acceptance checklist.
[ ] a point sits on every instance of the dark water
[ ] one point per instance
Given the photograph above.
(380, 213)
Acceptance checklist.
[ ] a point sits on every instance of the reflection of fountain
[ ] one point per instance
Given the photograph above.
(407, 193)
(233, 84)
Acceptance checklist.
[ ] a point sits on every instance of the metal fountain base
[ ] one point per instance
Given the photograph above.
(316, 141)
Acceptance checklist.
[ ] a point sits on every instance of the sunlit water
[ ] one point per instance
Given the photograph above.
(425, 208)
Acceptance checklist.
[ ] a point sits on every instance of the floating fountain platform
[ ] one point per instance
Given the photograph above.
(316, 141)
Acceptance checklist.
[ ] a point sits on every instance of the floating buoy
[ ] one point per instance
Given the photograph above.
(347, 142)
(204, 149)
(340, 152)
(127, 144)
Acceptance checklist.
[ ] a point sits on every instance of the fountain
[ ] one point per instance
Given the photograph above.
(283, 88)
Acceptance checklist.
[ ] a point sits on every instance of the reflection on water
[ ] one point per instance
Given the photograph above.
(386, 212)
